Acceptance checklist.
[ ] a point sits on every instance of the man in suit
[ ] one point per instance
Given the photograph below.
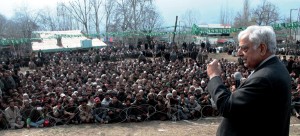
(261, 104)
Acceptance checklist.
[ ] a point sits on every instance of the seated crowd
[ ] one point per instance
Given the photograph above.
(88, 87)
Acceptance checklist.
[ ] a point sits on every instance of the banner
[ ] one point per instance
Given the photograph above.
(195, 30)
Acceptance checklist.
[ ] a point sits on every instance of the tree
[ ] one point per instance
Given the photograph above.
(96, 6)
(242, 18)
(108, 9)
(129, 15)
(26, 21)
(223, 14)
(80, 10)
(226, 16)
(136, 12)
(22, 24)
(265, 14)
(3, 22)
(191, 17)
(61, 21)
(150, 21)
(64, 18)
(122, 14)
(46, 21)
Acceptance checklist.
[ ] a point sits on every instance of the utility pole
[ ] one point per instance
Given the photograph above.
(175, 30)
(179, 33)
(291, 39)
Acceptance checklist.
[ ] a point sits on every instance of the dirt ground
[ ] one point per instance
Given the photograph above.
(222, 55)
(201, 127)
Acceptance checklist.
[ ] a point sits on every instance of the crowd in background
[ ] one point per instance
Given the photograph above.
(120, 83)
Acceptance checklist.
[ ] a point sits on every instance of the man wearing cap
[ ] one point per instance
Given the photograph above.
(35, 118)
(115, 108)
(71, 112)
(85, 111)
(99, 113)
(194, 107)
(33, 100)
(26, 109)
(63, 99)
(58, 112)
(140, 110)
(105, 102)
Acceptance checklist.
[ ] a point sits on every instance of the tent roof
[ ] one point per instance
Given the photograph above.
(49, 43)
(225, 40)
(221, 40)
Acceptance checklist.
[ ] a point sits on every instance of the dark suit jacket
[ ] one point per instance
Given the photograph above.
(259, 106)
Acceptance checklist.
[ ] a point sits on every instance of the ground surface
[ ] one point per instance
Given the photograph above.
(223, 55)
(202, 127)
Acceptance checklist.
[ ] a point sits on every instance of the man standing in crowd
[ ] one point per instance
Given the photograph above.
(261, 104)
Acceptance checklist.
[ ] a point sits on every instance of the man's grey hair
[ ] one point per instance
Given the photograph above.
(261, 35)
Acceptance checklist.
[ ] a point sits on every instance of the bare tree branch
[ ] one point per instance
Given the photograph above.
(265, 14)
(80, 11)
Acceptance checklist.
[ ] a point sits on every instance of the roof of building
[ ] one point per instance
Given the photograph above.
(72, 39)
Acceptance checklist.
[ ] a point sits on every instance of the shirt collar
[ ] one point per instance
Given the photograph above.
(265, 60)
(261, 64)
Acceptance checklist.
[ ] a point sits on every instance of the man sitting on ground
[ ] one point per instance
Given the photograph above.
(13, 116)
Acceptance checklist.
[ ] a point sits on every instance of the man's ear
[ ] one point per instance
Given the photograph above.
(263, 49)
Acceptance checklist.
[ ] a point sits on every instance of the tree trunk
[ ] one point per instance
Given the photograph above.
(97, 26)
(86, 27)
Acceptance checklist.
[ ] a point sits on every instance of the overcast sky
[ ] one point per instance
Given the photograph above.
(208, 11)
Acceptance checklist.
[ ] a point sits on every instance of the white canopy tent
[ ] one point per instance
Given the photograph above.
(72, 39)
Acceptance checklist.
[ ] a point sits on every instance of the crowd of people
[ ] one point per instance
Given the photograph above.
(117, 84)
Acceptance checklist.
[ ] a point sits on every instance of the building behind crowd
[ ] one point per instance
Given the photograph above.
(214, 38)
